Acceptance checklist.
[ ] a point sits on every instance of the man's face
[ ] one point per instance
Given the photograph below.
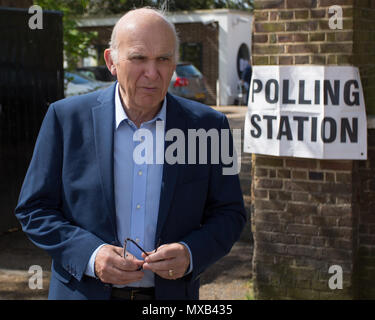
(145, 63)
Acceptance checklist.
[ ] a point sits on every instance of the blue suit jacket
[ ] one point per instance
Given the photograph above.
(66, 205)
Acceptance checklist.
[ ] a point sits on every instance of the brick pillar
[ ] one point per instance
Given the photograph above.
(310, 214)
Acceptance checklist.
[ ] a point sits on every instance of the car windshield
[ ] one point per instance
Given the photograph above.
(76, 79)
(187, 70)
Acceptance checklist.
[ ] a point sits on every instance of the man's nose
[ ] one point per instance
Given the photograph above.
(151, 70)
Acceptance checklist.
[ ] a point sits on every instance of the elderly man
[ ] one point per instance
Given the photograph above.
(116, 228)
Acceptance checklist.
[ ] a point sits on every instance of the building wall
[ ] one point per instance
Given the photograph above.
(221, 33)
(311, 214)
(207, 35)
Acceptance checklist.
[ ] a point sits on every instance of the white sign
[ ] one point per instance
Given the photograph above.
(306, 111)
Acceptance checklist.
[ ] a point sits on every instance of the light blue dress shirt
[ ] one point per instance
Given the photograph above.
(137, 185)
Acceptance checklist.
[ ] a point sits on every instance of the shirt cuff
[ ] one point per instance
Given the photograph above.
(190, 269)
(90, 268)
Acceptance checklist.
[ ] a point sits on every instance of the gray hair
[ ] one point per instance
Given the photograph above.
(113, 45)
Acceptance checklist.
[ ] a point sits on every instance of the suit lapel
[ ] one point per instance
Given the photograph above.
(174, 119)
(104, 122)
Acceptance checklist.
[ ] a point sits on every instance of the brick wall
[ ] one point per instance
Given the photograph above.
(310, 214)
(209, 38)
(297, 32)
(302, 224)
(365, 173)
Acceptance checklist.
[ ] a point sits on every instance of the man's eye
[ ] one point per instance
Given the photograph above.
(137, 58)
(163, 59)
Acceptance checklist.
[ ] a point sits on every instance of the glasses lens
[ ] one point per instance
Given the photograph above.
(136, 244)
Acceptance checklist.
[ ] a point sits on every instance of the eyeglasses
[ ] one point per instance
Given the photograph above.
(136, 244)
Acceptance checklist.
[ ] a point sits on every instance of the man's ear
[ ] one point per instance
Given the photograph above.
(109, 62)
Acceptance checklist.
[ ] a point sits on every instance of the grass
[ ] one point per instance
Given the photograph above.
(250, 294)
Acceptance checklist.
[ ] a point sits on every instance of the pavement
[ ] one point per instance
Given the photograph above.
(228, 279)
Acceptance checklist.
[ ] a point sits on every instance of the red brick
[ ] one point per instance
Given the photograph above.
(301, 59)
(269, 4)
(268, 216)
(339, 165)
(329, 177)
(317, 36)
(318, 59)
(291, 4)
(328, 3)
(285, 60)
(268, 226)
(302, 186)
(269, 27)
(300, 37)
(301, 14)
(285, 15)
(269, 205)
(260, 15)
(268, 161)
(261, 172)
(300, 196)
(273, 15)
(299, 175)
(268, 49)
(334, 210)
(337, 188)
(271, 247)
(344, 177)
(318, 13)
(268, 184)
(260, 38)
(302, 208)
(301, 163)
(285, 37)
(309, 25)
(260, 194)
(344, 36)
(303, 48)
(336, 48)
(336, 232)
(283, 173)
(302, 229)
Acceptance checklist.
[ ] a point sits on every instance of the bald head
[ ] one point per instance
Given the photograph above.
(146, 18)
(143, 57)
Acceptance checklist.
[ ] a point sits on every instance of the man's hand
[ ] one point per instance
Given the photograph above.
(170, 261)
(111, 267)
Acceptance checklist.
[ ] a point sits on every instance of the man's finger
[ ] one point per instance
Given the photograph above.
(129, 263)
(119, 277)
(164, 252)
(111, 267)
(169, 261)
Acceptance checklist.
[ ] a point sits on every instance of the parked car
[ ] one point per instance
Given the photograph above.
(188, 82)
(76, 83)
(100, 73)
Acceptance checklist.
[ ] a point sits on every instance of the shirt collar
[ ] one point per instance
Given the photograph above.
(121, 114)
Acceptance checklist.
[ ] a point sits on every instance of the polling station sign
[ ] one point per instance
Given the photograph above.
(306, 111)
